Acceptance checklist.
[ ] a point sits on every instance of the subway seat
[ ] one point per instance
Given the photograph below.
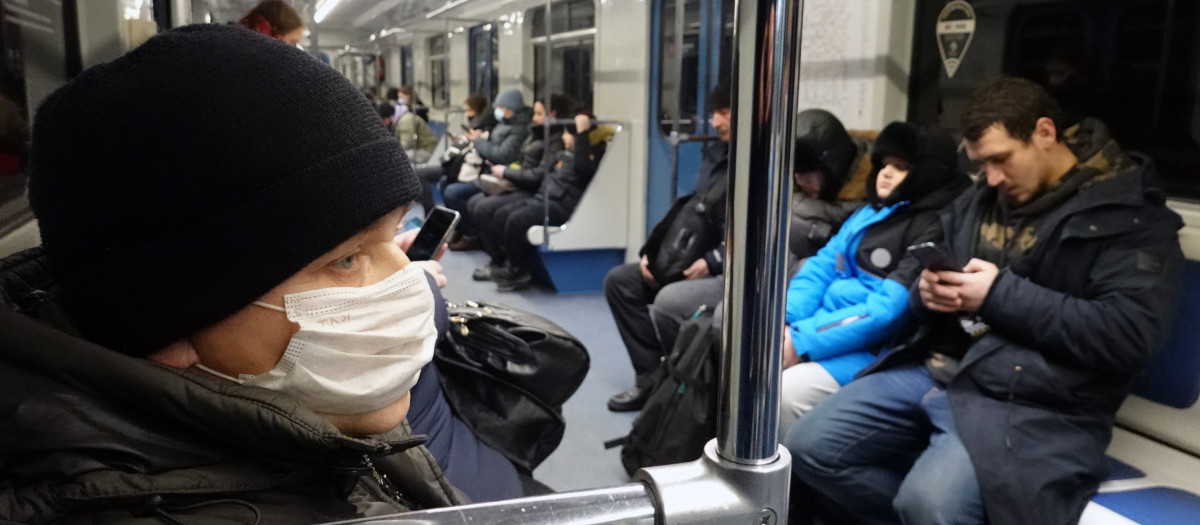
(582, 251)
(1155, 452)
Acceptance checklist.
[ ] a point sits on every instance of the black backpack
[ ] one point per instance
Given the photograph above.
(681, 414)
(690, 229)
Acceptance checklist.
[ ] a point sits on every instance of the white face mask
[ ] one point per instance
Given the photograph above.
(499, 114)
(358, 349)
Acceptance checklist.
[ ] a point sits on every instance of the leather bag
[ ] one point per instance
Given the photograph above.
(506, 373)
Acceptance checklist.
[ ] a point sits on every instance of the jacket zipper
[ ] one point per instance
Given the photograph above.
(1012, 385)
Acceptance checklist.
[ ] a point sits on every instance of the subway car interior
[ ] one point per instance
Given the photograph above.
(647, 73)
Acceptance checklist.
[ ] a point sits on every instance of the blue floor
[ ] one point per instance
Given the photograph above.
(580, 461)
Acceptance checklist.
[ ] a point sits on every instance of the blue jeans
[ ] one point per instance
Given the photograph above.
(456, 195)
(885, 449)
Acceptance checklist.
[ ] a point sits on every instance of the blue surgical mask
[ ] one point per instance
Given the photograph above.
(499, 113)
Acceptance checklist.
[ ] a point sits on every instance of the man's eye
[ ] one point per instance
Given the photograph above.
(346, 263)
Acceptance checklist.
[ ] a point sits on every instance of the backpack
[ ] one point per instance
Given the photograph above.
(680, 416)
(689, 230)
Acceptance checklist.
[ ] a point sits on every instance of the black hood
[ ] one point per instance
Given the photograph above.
(823, 144)
(933, 155)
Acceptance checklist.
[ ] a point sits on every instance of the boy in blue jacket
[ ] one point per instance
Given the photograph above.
(853, 294)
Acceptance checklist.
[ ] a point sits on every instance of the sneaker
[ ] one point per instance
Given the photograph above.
(510, 280)
(486, 273)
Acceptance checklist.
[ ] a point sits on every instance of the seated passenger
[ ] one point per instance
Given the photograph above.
(853, 294)
(828, 160)
(252, 330)
(399, 102)
(479, 115)
(524, 179)
(634, 294)
(526, 175)
(501, 146)
(276, 19)
(414, 134)
(999, 406)
(415, 104)
(505, 234)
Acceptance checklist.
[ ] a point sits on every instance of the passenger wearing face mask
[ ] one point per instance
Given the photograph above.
(414, 134)
(237, 332)
(853, 294)
(502, 146)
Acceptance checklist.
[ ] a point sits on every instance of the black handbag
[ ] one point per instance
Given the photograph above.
(506, 374)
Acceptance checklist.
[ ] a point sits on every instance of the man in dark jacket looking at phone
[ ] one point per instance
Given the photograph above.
(1003, 398)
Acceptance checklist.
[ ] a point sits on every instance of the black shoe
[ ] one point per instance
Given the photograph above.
(629, 400)
(486, 273)
(510, 280)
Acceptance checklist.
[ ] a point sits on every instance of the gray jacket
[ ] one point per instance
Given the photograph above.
(503, 145)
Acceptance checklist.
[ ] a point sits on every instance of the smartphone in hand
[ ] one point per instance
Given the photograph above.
(438, 226)
(934, 258)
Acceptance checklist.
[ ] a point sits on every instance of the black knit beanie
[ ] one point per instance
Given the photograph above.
(180, 182)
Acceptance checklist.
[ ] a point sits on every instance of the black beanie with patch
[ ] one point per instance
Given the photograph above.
(177, 184)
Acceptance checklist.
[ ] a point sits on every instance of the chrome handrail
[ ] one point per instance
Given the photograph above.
(743, 475)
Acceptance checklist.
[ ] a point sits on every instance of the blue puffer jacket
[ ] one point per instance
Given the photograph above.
(839, 312)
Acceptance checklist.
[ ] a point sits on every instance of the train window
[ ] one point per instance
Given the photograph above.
(1130, 63)
(572, 49)
(406, 66)
(680, 52)
(439, 82)
(571, 15)
(485, 60)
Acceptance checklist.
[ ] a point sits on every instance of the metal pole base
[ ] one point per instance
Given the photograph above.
(713, 490)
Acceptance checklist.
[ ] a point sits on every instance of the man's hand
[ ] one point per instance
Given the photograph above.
(433, 268)
(698, 269)
(958, 291)
(474, 134)
(646, 275)
(936, 294)
(973, 284)
(498, 171)
(790, 357)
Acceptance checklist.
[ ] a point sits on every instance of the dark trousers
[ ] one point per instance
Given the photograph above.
(429, 176)
(503, 222)
(648, 318)
(456, 195)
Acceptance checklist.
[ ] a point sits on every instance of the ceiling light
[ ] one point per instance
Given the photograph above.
(324, 9)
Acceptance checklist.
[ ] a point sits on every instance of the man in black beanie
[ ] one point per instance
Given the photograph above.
(250, 329)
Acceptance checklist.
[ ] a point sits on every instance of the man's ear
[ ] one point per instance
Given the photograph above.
(1045, 134)
(180, 354)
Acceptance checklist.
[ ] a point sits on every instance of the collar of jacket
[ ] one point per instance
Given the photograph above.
(72, 408)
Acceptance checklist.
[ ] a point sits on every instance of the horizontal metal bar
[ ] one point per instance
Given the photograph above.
(681, 138)
(630, 504)
(569, 121)
(566, 35)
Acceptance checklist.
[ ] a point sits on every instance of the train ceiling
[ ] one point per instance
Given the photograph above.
(368, 15)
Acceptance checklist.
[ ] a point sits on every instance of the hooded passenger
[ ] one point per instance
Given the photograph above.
(853, 294)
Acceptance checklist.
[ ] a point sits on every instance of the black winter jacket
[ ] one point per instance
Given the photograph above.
(94, 436)
(1072, 324)
(536, 161)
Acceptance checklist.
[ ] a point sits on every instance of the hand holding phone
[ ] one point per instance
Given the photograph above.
(438, 226)
(934, 258)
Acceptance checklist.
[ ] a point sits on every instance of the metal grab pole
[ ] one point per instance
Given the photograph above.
(767, 66)
(744, 474)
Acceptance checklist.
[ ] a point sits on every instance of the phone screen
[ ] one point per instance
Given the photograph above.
(438, 226)
(934, 258)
